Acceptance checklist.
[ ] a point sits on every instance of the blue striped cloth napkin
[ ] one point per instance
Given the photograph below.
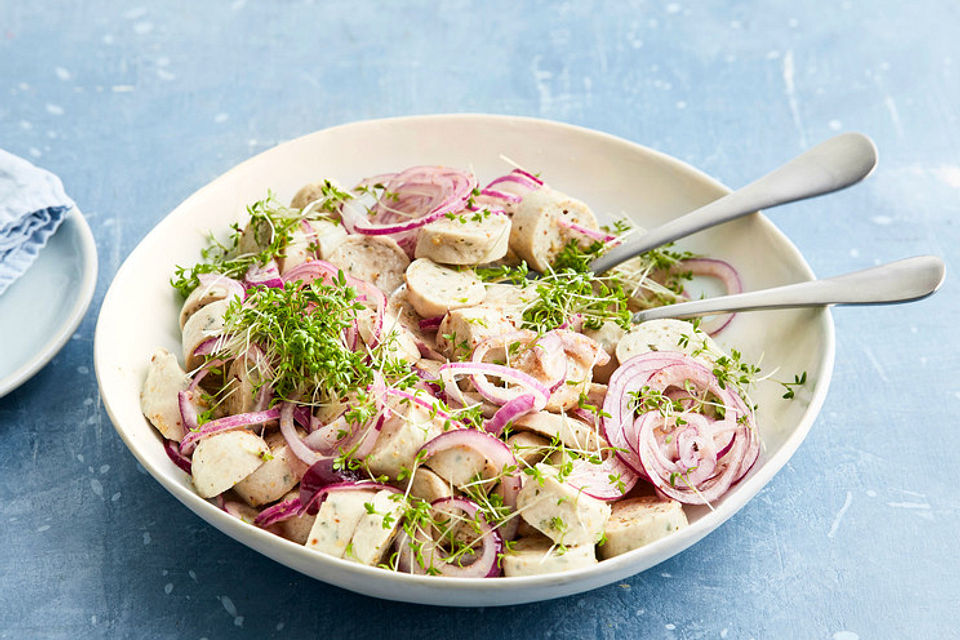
(32, 206)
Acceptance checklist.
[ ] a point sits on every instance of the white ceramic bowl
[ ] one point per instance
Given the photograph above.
(613, 175)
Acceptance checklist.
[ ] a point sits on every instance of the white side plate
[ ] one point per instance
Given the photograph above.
(40, 311)
(613, 175)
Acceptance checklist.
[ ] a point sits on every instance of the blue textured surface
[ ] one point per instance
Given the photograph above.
(137, 106)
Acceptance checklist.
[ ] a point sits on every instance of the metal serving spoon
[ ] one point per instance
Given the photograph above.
(900, 281)
(830, 166)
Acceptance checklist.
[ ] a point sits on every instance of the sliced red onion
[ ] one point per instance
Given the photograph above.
(188, 412)
(430, 324)
(297, 446)
(501, 195)
(312, 270)
(528, 175)
(221, 425)
(418, 196)
(208, 346)
(498, 395)
(278, 513)
(484, 564)
(725, 273)
(231, 286)
(203, 371)
(609, 480)
(267, 275)
(593, 234)
(172, 448)
(513, 409)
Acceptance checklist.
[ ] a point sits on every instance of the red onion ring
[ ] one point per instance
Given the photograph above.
(485, 563)
(513, 409)
(228, 423)
(726, 274)
(595, 479)
(499, 395)
(297, 446)
(210, 280)
(593, 234)
(267, 275)
(278, 513)
(172, 448)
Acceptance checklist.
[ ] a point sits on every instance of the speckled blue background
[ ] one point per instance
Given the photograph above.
(137, 105)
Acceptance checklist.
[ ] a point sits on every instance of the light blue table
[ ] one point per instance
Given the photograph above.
(136, 106)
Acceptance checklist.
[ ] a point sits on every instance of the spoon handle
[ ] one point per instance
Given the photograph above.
(830, 166)
(900, 281)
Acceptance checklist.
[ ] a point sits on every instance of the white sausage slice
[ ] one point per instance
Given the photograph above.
(376, 259)
(607, 336)
(317, 241)
(428, 486)
(223, 460)
(528, 447)
(337, 520)
(376, 529)
(433, 290)
(273, 478)
(469, 242)
(639, 521)
(461, 330)
(535, 556)
(562, 513)
(159, 396)
(201, 297)
(537, 234)
(406, 427)
(572, 433)
(205, 323)
(668, 335)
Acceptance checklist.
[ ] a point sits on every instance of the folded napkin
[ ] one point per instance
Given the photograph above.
(32, 206)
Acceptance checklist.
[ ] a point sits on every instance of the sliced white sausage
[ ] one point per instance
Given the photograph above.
(221, 461)
(376, 529)
(459, 465)
(394, 341)
(538, 234)
(528, 447)
(243, 378)
(312, 239)
(433, 289)
(321, 190)
(204, 324)
(428, 486)
(668, 335)
(398, 305)
(510, 299)
(275, 477)
(572, 433)
(461, 330)
(296, 528)
(562, 513)
(406, 427)
(535, 556)
(201, 297)
(376, 259)
(470, 242)
(159, 400)
(608, 336)
(337, 521)
(639, 521)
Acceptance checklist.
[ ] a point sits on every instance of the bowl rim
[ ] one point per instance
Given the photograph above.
(603, 572)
